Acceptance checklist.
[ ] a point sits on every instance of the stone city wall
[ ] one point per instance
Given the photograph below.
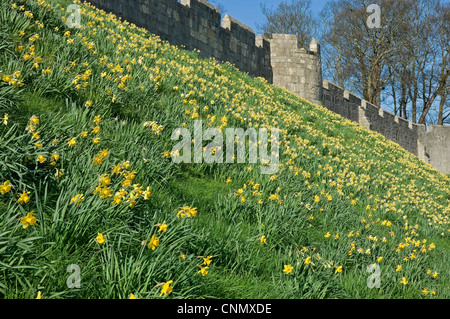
(196, 24)
(432, 146)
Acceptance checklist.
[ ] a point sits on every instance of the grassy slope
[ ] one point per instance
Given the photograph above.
(335, 177)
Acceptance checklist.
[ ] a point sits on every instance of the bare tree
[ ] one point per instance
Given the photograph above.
(291, 17)
(404, 62)
(367, 51)
(419, 50)
(444, 109)
(433, 84)
(336, 66)
(421, 61)
(434, 78)
(444, 39)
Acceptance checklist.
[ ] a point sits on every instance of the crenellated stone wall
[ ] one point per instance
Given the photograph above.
(371, 117)
(436, 144)
(297, 69)
(196, 24)
(432, 146)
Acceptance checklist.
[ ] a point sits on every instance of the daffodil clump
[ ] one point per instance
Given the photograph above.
(87, 178)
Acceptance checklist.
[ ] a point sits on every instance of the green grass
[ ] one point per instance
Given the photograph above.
(335, 177)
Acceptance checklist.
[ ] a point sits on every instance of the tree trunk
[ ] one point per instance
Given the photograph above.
(403, 101)
(441, 90)
(394, 97)
(441, 109)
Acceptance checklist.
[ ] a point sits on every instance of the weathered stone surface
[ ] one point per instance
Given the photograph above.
(432, 147)
(196, 24)
(436, 143)
(291, 64)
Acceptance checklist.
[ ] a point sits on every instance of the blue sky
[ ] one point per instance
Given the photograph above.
(249, 11)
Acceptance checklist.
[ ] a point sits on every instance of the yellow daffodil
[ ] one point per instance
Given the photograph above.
(76, 199)
(262, 239)
(186, 211)
(207, 261)
(101, 239)
(153, 243)
(203, 271)
(147, 193)
(166, 288)
(274, 197)
(288, 269)
(96, 130)
(72, 142)
(24, 198)
(162, 228)
(41, 159)
(28, 220)
(5, 187)
(5, 119)
(105, 180)
(34, 119)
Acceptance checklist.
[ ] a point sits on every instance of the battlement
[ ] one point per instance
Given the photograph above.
(197, 24)
(296, 69)
(431, 146)
(371, 117)
(342, 102)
